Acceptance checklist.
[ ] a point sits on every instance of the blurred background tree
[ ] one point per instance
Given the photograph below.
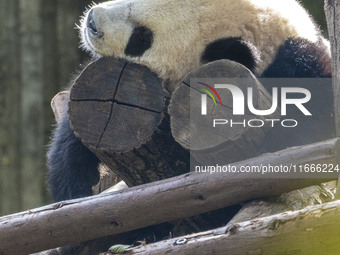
(315, 8)
(38, 55)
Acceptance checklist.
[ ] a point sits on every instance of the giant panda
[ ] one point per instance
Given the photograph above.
(272, 38)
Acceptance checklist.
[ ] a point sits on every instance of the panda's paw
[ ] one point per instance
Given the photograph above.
(202, 114)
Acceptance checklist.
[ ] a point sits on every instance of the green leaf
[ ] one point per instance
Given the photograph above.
(119, 248)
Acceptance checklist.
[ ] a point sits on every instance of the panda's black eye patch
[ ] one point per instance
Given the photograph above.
(140, 41)
(234, 49)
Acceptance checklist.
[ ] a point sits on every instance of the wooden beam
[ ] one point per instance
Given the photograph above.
(312, 231)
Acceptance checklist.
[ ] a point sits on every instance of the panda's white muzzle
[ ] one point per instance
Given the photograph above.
(106, 30)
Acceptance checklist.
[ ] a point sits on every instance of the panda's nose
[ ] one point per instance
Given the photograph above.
(91, 25)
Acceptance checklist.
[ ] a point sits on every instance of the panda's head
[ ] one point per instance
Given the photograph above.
(160, 34)
(172, 37)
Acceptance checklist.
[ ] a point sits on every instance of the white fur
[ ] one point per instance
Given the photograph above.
(183, 28)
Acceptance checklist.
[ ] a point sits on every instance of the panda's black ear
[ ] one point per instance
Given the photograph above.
(234, 49)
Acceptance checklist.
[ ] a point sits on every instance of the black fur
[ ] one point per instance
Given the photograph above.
(139, 42)
(234, 49)
(73, 167)
(299, 58)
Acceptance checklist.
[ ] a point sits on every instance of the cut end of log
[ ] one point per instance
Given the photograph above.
(115, 105)
(195, 130)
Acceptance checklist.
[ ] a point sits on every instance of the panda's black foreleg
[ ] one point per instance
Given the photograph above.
(73, 167)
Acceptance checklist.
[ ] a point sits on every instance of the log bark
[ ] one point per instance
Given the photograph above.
(332, 11)
(179, 197)
(311, 231)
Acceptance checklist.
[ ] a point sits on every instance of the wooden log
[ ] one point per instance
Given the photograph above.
(194, 132)
(116, 110)
(179, 197)
(104, 102)
(332, 11)
(311, 231)
(290, 201)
